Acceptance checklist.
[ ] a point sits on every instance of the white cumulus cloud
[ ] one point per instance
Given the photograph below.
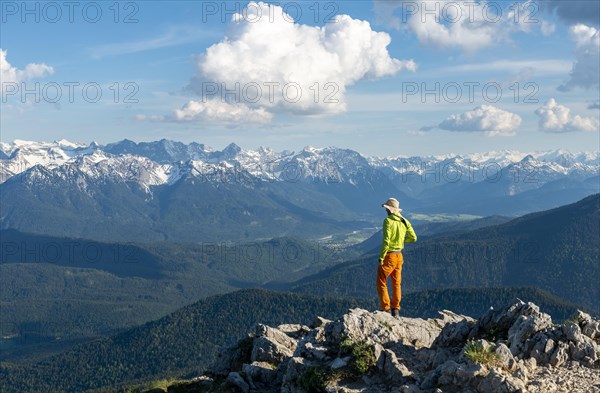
(10, 75)
(213, 112)
(485, 118)
(270, 64)
(221, 112)
(557, 118)
(464, 25)
(586, 69)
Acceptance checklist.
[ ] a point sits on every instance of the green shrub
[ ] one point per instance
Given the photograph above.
(313, 380)
(475, 351)
(363, 354)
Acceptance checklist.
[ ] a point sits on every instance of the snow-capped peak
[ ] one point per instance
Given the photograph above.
(65, 144)
(163, 162)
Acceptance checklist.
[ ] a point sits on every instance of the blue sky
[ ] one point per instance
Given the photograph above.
(157, 64)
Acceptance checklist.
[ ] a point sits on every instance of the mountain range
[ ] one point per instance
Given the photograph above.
(168, 190)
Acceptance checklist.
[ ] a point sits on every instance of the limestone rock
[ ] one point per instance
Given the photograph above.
(572, 331)
(524, 327)
(499, 322)
(295, 368)
(520, 350)
(272, 345)
(393, 370)
(496, 382)
(260, 372)
(295, 331)
(505, 356)
(340, 363)
(560, 355)
(319, 322)
(460, 374)
(236, 381)
(591, 329)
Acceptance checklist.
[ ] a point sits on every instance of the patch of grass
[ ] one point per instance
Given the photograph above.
(314, 380)
(386, 325)
(318, 377)
(363, 354)
(159, 384)
(477, 353)
(574, 319)
(364, 357)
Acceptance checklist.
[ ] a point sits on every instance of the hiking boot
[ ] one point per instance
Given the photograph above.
(395, 312)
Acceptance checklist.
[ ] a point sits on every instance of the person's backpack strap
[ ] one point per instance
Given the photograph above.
(402, 219)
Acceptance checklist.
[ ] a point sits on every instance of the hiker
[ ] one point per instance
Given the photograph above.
(396, 231)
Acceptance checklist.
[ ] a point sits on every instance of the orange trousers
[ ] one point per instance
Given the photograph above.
(392, 266)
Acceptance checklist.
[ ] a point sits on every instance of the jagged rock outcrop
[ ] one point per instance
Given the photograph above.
(505, 350)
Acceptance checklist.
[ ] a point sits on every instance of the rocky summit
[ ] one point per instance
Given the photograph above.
(513, 349)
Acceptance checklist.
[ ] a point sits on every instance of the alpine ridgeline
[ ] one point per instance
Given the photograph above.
(513, 349)
(168, 190)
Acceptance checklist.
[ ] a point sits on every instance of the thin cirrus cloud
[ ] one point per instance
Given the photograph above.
(486, 119)
(10, 74)
(586, 69)
(173, 36)
(274, 65)
(542, 67)
(556, 118)
(466, 26)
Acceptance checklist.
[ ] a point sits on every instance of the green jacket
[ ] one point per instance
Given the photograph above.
(395, 233)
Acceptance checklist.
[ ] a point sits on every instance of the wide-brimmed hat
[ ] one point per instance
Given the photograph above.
(392, 205)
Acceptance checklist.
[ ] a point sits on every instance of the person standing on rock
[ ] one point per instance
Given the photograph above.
(396, 231)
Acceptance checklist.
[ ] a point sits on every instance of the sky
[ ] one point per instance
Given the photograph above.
(382, 77)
